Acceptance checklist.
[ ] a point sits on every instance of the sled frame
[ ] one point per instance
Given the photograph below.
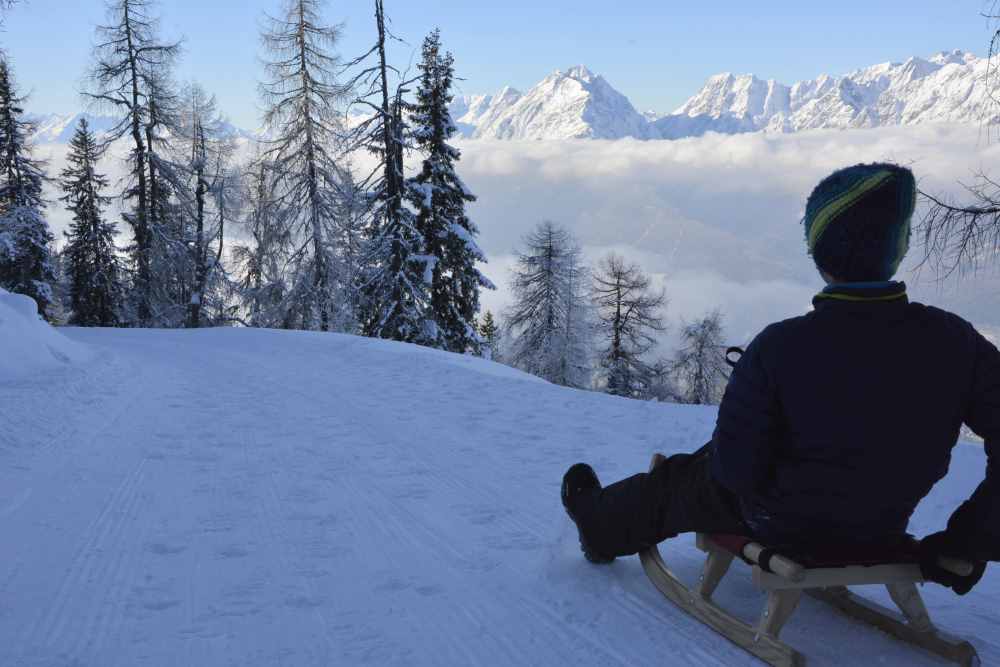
(785, 584)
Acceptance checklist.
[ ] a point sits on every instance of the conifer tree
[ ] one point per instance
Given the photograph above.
(628, 314)
(91, 263)
(548, 323)
(130, 67)
(206, 191)
(351, 230)
(393, 293)
(699, 365)
(394, 288)
(261, 260)
(25, 257)
(490, 333)
(439, 197)
(302, 98)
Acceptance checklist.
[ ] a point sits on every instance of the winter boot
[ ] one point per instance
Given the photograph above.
(581, 479)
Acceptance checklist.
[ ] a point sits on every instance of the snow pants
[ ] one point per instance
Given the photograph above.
(678, 496)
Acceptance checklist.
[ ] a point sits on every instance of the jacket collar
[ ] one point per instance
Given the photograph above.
(862, 293)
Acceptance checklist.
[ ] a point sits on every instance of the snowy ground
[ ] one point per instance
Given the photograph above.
(238, 497)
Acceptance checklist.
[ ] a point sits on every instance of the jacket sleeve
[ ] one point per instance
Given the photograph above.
(748, 425)
(975, 525)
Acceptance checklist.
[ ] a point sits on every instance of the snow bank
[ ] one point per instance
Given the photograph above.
(28, 344)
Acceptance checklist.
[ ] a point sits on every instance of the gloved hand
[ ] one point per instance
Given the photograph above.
(942, 544)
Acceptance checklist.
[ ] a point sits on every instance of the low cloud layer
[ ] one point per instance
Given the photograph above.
(714, 219)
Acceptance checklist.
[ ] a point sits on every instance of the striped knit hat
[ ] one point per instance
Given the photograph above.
(858, 221)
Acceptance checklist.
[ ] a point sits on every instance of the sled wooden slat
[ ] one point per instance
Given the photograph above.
(934, 641)
(769, 649)
(785, 585)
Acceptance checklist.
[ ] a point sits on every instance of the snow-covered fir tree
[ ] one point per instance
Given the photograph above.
(302, 97)
(548, 322)
(351, 230)
(628, 317)
(127, 78)
(699, 367)
(393, 292)
(394, 289)
(91, 263)
(489, 331)
(439, 197)
(25, 254)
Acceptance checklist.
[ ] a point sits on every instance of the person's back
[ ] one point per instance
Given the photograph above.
(865, 398)
(836, 424)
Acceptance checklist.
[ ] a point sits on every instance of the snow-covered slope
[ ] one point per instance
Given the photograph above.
(58, 128)
(472, 111)
(257, 498)
(575, 104)
(29, 346)
(949, 87)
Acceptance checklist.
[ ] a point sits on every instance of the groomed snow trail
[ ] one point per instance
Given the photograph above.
(238, 497)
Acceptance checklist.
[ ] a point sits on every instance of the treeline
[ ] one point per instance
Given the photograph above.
(324, 246)
(596, 328)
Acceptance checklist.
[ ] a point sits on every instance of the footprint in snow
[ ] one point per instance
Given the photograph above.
(161, 549)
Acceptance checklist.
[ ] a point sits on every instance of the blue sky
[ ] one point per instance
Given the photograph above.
(657, 52)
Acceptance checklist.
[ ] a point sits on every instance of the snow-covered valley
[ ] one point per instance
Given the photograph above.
(251, 497)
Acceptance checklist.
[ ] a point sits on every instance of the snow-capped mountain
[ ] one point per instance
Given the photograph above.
(58, 128)
(472, 112)
(948, 87)
(571, 104)
(578, 104)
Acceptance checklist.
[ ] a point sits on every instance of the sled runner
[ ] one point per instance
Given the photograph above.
(785, 576)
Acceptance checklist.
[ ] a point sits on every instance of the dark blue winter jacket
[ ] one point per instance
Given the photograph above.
(837, 423)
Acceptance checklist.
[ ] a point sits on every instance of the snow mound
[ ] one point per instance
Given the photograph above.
(29, 344)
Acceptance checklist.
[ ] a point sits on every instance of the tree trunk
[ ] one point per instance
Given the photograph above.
(140, 224)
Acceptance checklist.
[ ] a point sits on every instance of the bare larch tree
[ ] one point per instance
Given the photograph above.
(628, 317)
(303, 100)
(699, 367)
(128, 58)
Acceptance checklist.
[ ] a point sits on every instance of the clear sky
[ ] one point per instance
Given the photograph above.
(657, 52)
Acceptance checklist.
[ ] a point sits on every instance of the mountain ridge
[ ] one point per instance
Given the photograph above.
(576, 103)
(947, 87)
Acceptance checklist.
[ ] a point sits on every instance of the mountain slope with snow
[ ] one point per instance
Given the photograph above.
(58, 128)
(248, 497)
(575, 104)
(949, 87)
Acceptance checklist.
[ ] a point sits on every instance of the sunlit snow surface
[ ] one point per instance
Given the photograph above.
(240, 497)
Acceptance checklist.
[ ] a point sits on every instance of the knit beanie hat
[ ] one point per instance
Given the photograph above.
(858, 221)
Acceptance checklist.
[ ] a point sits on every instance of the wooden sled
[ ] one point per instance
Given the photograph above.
(785, 579)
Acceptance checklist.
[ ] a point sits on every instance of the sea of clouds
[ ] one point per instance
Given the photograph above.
(715, 220)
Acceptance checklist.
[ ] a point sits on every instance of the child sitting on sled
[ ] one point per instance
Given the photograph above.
(835, 424)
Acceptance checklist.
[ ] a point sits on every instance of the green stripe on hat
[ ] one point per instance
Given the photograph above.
(838, 205)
